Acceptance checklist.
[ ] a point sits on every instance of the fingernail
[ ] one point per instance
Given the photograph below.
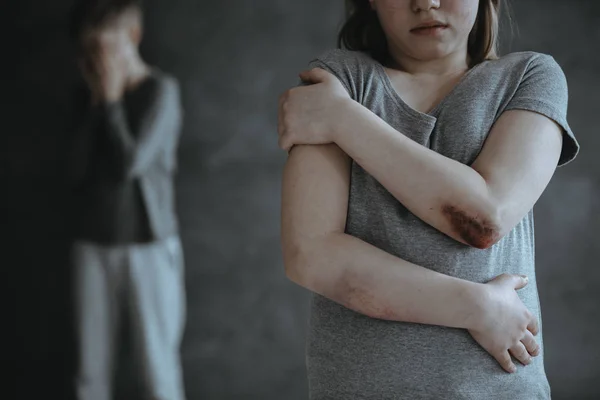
(525, 277)
(512, 368)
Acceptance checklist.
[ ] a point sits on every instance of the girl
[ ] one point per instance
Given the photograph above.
(412, 220)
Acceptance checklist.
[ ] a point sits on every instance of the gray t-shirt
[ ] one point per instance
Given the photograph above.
(352, 356)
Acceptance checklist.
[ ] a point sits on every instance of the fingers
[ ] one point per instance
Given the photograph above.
(520, 281)
(281, 126)
(315, 75)
(533, 325)
(305, 76)
(530, 344)
(279, 112)
(515, 281)
(506, 362)
(104, 63)
(520, 353)
(523, 351)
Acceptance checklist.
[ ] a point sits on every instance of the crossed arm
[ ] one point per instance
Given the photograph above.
(319, 256)
(159, 124)
(476, 205)
(135, 151)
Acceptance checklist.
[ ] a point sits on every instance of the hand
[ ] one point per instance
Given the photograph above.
(503, 325)
(308, 114)
(113, 75)
(104, 73)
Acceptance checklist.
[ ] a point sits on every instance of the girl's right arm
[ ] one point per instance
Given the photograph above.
(319, 256)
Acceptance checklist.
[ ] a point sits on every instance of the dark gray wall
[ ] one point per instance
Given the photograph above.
(246, 323)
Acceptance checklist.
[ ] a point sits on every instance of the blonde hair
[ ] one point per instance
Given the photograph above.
(363, 32)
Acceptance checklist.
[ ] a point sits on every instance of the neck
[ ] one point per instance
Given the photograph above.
(452, 64)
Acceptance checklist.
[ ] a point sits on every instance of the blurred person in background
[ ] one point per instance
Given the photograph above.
(127, 255)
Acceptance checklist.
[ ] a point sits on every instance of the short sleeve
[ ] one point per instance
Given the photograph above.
(543, 89)
(344, 65)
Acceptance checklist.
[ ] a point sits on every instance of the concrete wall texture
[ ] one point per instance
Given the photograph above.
(246, 322)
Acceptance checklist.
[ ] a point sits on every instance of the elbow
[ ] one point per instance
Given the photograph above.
(485, 241)
(292, 256)
(481, 230)
(297, 262)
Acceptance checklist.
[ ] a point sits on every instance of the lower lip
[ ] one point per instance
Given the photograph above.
(433, 31)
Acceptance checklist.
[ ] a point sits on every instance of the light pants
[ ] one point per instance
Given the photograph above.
(141, 285)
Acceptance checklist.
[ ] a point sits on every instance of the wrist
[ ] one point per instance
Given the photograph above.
(345, 118)
(474, 303)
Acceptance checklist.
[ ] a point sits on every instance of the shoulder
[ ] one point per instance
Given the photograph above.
(540, 76)
(352, 68)
(346, 61)
(523, 58)
(528, 74)
(538, 84)
(344, 57)
(525, 64)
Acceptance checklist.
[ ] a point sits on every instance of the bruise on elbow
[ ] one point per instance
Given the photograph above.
(477, 232)
(356, 292)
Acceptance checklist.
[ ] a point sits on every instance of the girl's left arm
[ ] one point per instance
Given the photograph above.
(476, 205)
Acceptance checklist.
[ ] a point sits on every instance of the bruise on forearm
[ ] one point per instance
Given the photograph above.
(476, 231)
(356, 291)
